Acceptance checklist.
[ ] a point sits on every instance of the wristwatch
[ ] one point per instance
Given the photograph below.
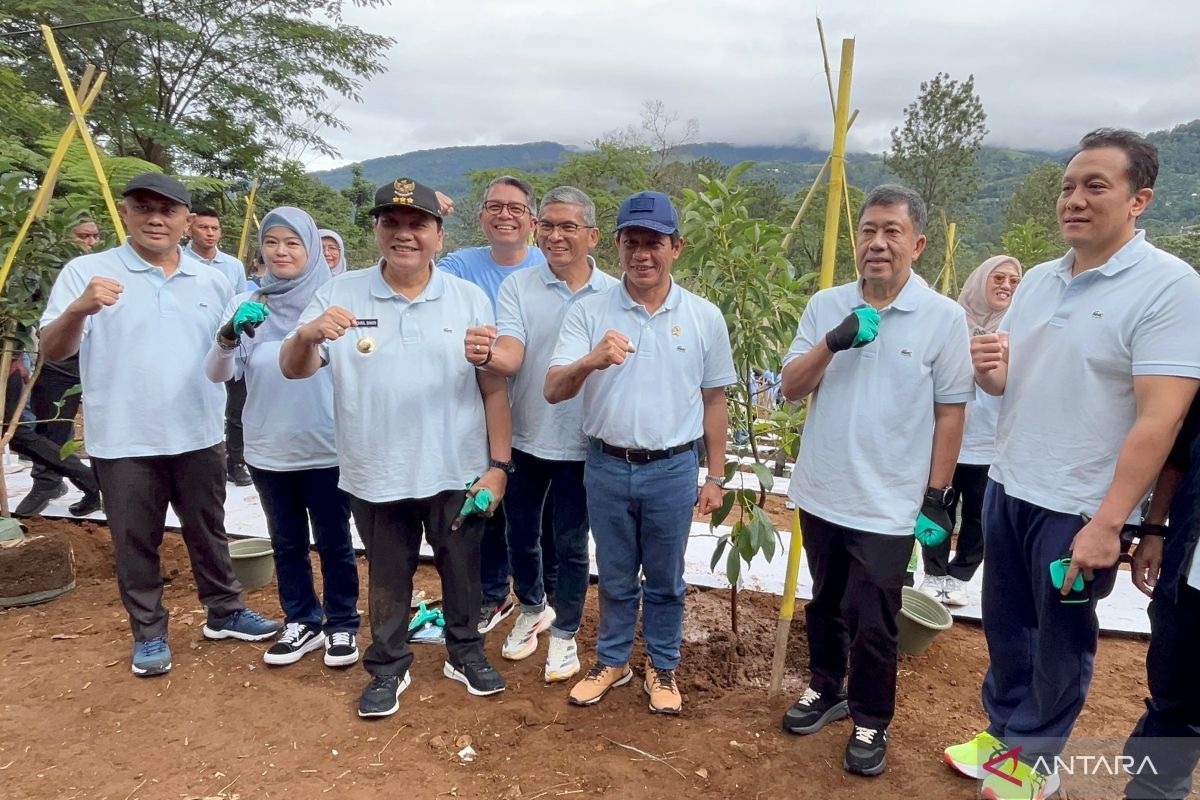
(719, 481)
(943, 497)
(508, 466)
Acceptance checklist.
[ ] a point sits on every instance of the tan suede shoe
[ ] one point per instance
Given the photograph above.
(664, 694)
(597, 682)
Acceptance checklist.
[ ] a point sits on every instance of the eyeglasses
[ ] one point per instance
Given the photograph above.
(494, 207)
(566, 228)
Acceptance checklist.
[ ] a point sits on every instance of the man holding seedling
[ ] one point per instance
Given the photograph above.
(652, 361)
(142, 316)
(548, 442)
(419, 433)
(887, 362)
(1096, 362)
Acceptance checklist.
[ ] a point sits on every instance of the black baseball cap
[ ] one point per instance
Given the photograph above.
(159, 184)
(406, 193)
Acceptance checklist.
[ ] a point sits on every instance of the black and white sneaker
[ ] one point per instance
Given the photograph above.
(296, 640)
(492, 614)
(341, 649)
(381, 698)
(480, 677)
(814, 711)
(866, 752)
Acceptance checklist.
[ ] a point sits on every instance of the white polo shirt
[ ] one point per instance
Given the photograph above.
(288, 425)
(140, 359)
(408, 416)
(979, 435)
(531, 308)
(653, 400)
(868, 440)
(229, 266)
(1075, 345)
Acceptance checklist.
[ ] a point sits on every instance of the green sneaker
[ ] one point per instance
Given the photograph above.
(1015, 780)
(968, 758)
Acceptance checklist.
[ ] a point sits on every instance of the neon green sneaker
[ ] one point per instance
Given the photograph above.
(1012, 779)
(968, 758)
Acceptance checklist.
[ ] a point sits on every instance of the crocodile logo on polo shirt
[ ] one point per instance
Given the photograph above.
(1097, 315)
(906, 353)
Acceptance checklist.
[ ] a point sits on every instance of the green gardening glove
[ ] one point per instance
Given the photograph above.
(245, 319)
(859, 328)
(933, 523)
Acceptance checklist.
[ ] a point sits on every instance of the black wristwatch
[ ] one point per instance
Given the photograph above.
(508, 466)
(1152, 529)
(943, 497)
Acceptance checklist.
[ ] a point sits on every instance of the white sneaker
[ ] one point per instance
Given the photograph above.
(522, 642)
(932, 586)
(562, 659)
(954, 592)
(296, 640)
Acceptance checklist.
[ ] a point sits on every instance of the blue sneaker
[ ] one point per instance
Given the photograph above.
(151, 657)
(246, 625)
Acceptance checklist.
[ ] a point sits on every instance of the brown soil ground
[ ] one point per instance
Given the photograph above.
(74, 723)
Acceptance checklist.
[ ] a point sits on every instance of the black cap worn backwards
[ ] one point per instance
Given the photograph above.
(159, 184)
(406, 193)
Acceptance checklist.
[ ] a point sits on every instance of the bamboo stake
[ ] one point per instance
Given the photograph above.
(246, 219)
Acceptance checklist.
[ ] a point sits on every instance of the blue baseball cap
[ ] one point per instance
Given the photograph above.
(650, 210)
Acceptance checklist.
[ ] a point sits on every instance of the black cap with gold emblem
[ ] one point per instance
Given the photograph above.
(406, 193)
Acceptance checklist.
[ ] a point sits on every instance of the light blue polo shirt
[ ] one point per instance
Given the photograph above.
(653, 400)
(408, 416)
(868, 439)
(1075, 345)
(979, 435)
(532, 306)
(288, 424)
(475, 264)
(140, 359)
(229, 266)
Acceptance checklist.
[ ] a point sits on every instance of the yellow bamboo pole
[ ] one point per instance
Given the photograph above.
(949, 278)
(849, 214)
(89, 145)
(808, 198)
(246, 220)
(81, 93)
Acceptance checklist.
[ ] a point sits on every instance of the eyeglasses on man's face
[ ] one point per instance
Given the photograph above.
(565, 228)
(495, 207)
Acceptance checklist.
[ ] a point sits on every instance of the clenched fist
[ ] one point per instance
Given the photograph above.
(478, 343)
(99, 292)
(331, 325)
(989, 351)
(612, 350)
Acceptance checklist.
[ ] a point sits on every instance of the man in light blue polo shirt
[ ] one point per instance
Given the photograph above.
(887, 362)
(1097, 361)
(652, 361)
(419, 432)
(506, 217)
(548, 441)
(205, 234)
(142, 316)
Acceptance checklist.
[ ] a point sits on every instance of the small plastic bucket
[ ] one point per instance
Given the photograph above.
(920, 620)
(253, 562)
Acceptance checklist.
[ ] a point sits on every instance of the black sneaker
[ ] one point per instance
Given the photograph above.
(296, 640)
(492, 613)
(236, 474)
(36, 501)
(814, 711)
(381, 698)
(866, 752)
(480, 677)
(88, 504)
(341, 649)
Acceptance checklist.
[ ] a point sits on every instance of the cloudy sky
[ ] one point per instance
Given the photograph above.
(466, 72)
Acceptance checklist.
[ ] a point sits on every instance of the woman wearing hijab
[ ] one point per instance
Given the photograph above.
(985, 297)
(333, 250)
(290, 444)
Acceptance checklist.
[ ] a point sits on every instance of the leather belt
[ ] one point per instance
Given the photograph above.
(634, 456)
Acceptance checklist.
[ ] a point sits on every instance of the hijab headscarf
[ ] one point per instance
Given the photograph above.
(974, 294)
(340, 267)
(286, 298)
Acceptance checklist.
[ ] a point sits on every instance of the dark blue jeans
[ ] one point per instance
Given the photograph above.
(290, 501)
(641, 516)
(494, 572)
(535, 483)
(1042, 650)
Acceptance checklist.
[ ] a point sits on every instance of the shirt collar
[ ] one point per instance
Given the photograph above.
(216, 259)
(674, 297)
(595, 279)
(382, 291)
(135, 263)
(907, 300)
(1131, 253)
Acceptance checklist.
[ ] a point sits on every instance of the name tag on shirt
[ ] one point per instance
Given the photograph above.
(367, 323)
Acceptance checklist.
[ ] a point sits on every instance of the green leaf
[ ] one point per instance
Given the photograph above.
(722, 512)
(68, 449)
(764, 475)
(718, 552)
(733, 567)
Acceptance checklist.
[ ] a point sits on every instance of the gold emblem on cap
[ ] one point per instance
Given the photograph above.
(676, 331)
(366, 345)
(403, 190)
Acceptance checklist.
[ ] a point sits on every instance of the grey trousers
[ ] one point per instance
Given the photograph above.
(137, 492)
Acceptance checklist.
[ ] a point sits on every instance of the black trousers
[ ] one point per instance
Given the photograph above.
(852, 617)
(391, 533)
(44, 452)
(970, 481)
(1169, 732)
(50, 387)
(137, 492)
(235, 401)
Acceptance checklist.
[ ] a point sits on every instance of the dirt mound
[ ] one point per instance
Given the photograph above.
(93, 548)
